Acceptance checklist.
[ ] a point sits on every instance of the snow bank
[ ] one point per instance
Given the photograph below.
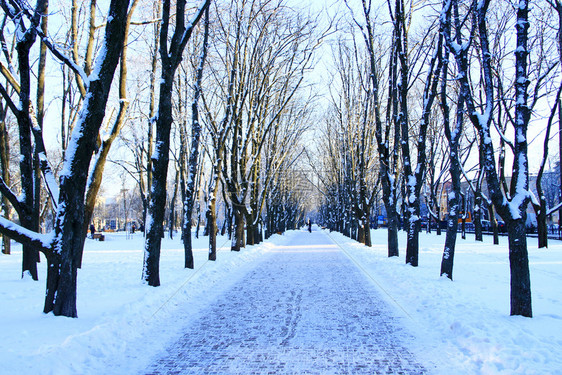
(464, 326)
(120, 319)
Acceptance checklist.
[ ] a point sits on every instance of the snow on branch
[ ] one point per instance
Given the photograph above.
(30, 14)
(554, 209)
(65, 59)
(194, 21)
(50, 180)
(25, 236)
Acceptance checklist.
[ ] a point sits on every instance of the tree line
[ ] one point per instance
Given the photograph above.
(417, 111)
(207, 104)
(214, 108)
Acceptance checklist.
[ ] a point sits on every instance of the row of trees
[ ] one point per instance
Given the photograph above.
(229, 112)
(400, 118)
(226, 113)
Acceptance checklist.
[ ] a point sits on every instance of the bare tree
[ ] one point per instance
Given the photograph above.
(194, 159)
(511, 207)
(170, 55)
(453, 135)
(388, 157)
(25, 205)
(64, 245)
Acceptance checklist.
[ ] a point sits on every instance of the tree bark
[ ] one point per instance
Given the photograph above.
(68, 236)
(194, 158)
(5, 164)
(170, 58)
(520, 294)
(238, 233)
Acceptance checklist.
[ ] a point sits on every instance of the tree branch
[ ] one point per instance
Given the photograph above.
(10, 195)
(41, 242)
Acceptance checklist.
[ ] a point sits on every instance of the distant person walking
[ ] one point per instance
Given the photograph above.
(92, 230)
(309, 226)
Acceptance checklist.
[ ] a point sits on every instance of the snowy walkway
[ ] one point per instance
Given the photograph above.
(305, 309)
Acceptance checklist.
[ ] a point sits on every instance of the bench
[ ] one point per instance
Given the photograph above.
(98, 236)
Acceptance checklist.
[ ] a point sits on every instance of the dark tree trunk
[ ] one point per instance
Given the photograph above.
(212, 223)
(447, 261)
(198, 225)
(477, 218)
(187, 243)
(392, 220)
(367, 230)
(542, 228)
(194, 153)
(69, 239)
(170, 56)
(172, 213)
(413, 247)
(5, 164)
(250, 230)
(361, 233)
(492, 214)
(160, 159)
(238, 233)
(519, 266)
(64, 251)
(26, 212)
(229, 220)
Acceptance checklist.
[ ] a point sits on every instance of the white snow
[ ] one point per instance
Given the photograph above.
(462, 327)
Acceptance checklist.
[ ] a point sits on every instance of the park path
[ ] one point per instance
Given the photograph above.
(306, 309)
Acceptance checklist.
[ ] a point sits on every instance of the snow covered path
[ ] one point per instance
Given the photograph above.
(306, 308)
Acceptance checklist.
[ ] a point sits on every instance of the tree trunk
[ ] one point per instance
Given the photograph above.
(412, 246)
(367, 230)
(170, 56)
(477, 218)
(250, 230)
(212, 224)
(67, 240)
(447, 261)
(229, 220)
(361, 232)
(60, 295)
(172, 213)
(519, 268)
(187, 243)
(238, 233)
(5, 164)
(392, 220)
(492, 214)
(542, 228)
(160, 158)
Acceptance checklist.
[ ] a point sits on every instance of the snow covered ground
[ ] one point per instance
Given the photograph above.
(464, 324)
